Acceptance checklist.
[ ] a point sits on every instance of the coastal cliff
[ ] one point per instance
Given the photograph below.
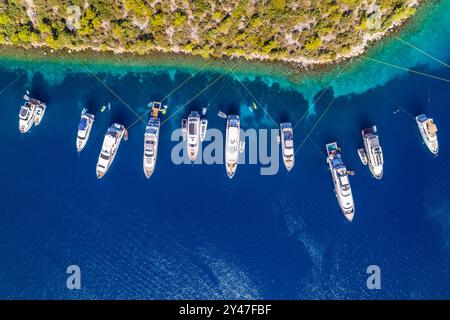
(301, 32)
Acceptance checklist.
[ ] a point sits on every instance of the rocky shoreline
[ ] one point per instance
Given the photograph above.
(292, 69)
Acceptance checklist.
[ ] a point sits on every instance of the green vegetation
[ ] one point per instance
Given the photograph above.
(297, 30)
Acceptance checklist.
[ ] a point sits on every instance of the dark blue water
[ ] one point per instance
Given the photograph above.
(189, 231)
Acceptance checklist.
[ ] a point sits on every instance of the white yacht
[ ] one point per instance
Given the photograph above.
(287, 145)
(362, 156)
(203, 129)
(232, 142)
(151, 139)
(193, 135)
(341, 182)
(26, 116)
(374, 152)
(111, 144)
(39, 112)
(84, 129)
(428, 130)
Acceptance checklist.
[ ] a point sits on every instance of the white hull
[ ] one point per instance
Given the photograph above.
(149, 169)
(193, 135)
(39, 113)
(341, 182)
(203, 129)
(430, 140)
(151, 140)
(149, 162)
(26, 117)
(192, 153)
(362, 156)
(84, 133)
(374, 153)
(25, 126)
(110, 146)
(232, 142)
(81, 143)
(288, 163)
(287, 145)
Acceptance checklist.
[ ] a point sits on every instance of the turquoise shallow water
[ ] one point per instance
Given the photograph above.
(190, 232)
(428, 31)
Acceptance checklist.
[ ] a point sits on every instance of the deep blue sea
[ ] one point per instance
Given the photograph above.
(189, 232)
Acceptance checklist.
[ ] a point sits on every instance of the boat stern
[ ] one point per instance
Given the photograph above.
(100, 174)
(192, 155)
(25, 126)
(148, 172)
(377, 173)
(80, 145)
(289, 164)
(149, 167)
(22, 129)
(350, 215)
(435, 149)
(231, 170)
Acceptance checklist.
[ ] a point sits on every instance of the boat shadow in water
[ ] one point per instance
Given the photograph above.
(231, 108)
(93, 105)
(364, 121)
(311, 123)
(292, 108)
(419, 107)
(39, 88)
(283, 116)
(195, 105)
(120, 114)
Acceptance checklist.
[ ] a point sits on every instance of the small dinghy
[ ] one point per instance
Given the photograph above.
(203, 129)
(184, 128)
(362, 156)
(222, 115)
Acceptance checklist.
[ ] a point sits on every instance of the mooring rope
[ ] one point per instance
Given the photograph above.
(423, 52)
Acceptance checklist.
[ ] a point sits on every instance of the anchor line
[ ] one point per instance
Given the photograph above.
(318, 98)
(216, 95)
(189, 101)
(315, 125)
(106, 86)
(185, 81)
(12, 82)
(397, 105)
(345, 124)
(315, 146)
(407, 69)
(256, 100)
(423, 52)
(201, 92)
(141, 117)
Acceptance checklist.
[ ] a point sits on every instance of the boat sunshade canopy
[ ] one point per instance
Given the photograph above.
(23, 111)
(83, 124)
(288, 135)
(192, 129)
